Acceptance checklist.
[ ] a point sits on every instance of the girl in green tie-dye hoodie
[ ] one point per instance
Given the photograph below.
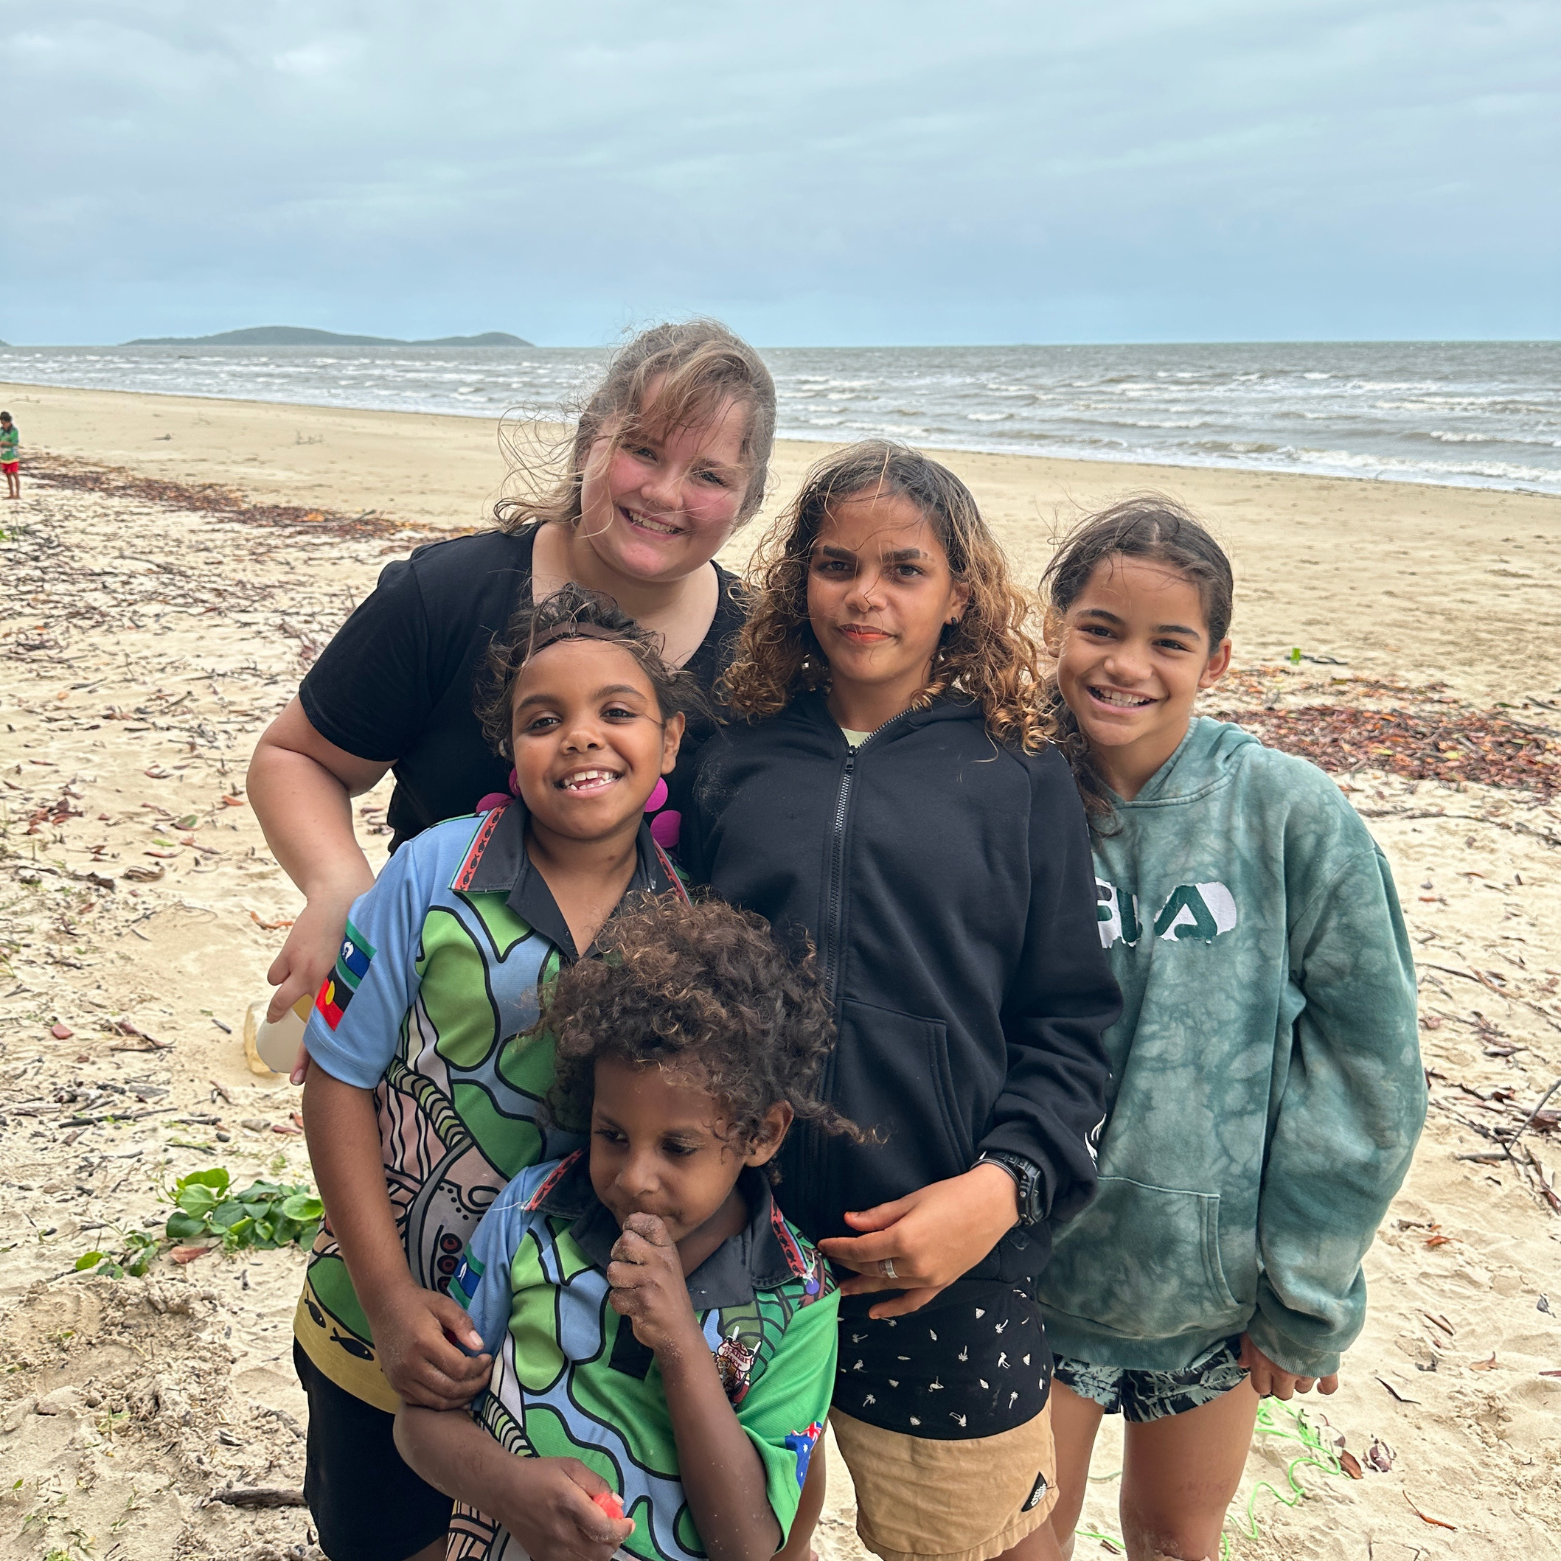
(1268, 1089)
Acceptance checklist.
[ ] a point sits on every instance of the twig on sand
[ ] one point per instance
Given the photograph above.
(1543, 1100)
(259, 1496)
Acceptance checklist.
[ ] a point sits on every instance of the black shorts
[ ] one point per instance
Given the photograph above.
(367, 1504)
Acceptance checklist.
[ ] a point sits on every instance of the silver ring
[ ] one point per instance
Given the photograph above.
(888, 1269)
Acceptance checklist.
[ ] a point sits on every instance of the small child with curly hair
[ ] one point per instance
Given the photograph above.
(663, 1339)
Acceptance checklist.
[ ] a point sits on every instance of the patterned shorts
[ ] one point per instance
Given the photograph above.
(1154, 1395)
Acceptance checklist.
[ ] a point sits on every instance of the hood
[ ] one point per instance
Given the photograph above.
(1207, 757)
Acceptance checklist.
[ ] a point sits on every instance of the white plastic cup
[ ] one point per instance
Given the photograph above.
(276, 1044)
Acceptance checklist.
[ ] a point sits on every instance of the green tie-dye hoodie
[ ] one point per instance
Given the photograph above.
(1269, 1090)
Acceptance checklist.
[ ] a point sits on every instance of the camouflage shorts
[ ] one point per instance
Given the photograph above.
(1154, 1395)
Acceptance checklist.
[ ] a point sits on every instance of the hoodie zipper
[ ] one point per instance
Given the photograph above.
(830, 941)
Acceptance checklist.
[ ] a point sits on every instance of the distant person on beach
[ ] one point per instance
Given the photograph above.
(10, 456)
(887, 789)
(422, 1101)
(1266, 1078)
(663, 1338)
(668, 457)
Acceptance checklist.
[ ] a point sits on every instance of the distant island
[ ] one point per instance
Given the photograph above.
(304, 336)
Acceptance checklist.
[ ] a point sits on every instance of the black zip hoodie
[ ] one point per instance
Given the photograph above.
(946, 882)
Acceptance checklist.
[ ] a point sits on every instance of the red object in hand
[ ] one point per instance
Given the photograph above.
(610, 1504)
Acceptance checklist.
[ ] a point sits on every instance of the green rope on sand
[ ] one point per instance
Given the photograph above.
(1274, 1418)
(1317, 1455)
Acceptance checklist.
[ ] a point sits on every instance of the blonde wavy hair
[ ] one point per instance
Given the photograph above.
(701, 366)
(988, 656)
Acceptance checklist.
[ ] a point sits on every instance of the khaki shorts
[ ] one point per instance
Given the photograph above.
(921, 1500)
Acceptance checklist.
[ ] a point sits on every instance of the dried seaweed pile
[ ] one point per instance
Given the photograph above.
(1449, 745)
(207, 498)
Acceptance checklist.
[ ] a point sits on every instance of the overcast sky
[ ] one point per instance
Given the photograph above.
(812, 171)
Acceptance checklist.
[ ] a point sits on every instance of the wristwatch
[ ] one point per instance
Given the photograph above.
(1027, 1179)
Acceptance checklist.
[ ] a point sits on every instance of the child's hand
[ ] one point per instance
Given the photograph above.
(419, 1362)
(930, 1237)
(646, 1275)
(550, 1510)
(1273, 1381)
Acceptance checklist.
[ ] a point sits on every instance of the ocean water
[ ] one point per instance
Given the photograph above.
(1477, 414)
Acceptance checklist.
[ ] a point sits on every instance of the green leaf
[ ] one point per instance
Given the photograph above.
(199, 1201)
(89, 1260)
(227, 1214)
(182, 1226)
(283, 1231)
(303, 1206)
(112, 1270)
(216, 1178)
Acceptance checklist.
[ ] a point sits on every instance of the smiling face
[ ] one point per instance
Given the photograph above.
(655, 505)
(588, 738)
(879, 593)
(1132, 656)
(659, 1145)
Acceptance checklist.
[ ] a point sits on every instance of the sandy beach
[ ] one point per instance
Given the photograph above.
(148, 636)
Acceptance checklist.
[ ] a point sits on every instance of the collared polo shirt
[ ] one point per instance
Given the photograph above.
(571, 1380)
(437, 982)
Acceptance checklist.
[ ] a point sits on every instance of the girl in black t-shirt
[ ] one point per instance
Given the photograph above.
(668, 457)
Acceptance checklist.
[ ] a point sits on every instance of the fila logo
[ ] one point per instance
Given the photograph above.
(1191, 910)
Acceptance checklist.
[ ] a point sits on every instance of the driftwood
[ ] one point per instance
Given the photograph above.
(259, 1496)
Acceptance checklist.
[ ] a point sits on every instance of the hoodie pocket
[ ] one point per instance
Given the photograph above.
(1143, 1262)
(892, 1077)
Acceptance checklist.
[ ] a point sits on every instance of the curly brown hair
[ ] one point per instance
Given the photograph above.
(989, 655)
(702, 366)
(705, 991)
(573, 612)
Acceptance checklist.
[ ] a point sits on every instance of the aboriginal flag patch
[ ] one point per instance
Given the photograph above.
(352, 964)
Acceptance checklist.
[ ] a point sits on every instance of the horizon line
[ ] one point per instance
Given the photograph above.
(1180, 341)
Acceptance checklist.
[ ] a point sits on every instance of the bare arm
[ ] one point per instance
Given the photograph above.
(544, 1502)
(301, 788)
(720, 1470)
(722, 1474)
(408, 1321)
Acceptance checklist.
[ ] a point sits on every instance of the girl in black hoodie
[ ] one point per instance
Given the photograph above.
(889, 794)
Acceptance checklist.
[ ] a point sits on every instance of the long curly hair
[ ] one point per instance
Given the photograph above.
(706, 992)
(989, 656)
(701, 365)
(1153, 527)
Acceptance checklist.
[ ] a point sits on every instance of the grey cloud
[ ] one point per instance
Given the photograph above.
(852, 172)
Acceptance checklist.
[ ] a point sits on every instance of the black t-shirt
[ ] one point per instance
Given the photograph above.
(398, 681)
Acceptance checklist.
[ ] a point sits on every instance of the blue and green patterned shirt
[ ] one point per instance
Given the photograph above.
(571, 1380)
(437, 980)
